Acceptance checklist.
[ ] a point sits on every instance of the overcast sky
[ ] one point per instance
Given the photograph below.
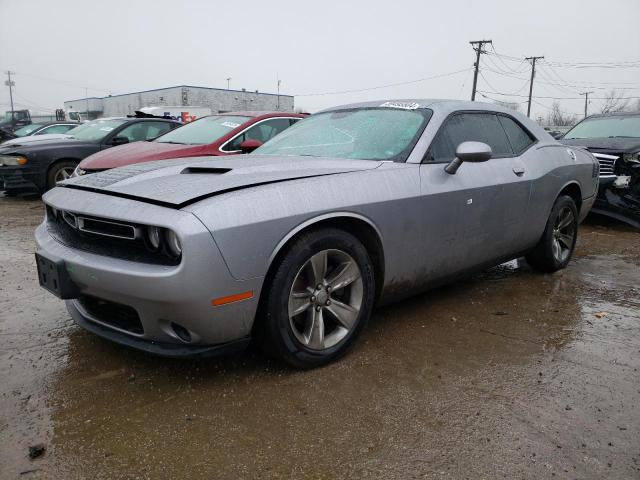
(59, 48)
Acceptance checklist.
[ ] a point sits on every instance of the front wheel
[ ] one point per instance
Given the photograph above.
(319, 299)
(555, 248)
(60, 171)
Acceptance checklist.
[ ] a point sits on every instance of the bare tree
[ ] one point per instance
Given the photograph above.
(558, 118)
(614, 102)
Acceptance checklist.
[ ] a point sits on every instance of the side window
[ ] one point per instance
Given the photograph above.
(157, 128)
(519, 138)
(465, 127)
(144, 130)
(262, 131)
(55, 129)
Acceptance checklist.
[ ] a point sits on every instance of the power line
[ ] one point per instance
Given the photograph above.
(556, 98)
(567, 85)
(558, 63)
(383, 86)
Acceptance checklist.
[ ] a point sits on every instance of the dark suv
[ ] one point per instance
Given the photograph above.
(38, 167)
(614, 139)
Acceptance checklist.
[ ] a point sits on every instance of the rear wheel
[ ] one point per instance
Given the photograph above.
(319, 300)
(60, 171)
(555, 248)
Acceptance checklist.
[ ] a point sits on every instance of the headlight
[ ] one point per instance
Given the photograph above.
(173, 243)
(631, 157)
(77, 172)
(12, 160)
(153, 237)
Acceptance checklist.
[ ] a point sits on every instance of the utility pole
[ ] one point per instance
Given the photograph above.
(479, 51)
(586, 101)
(86, 96)
(533, 73)
(10, 83)
(278, 101)
(228, 82)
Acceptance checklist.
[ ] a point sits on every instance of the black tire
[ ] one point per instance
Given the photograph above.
(546, 257)
(56, 169)
(274, 331)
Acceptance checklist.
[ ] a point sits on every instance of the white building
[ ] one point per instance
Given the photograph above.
(218, 99)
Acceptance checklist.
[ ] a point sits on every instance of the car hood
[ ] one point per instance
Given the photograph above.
(177, 183)
(43, 146)
(605, 145)
(31, 139)
(137, 152)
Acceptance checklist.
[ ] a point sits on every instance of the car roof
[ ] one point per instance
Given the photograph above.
(130, 119)
(59, 122)
(443, 107)
(265, 113)
(441, 104)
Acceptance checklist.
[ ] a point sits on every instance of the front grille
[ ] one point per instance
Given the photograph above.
(104, 237)
(607, 164)
(117, 315)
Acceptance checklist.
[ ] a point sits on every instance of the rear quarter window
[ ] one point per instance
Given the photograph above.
(519, 138)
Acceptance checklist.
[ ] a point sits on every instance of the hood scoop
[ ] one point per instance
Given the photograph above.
(205, 170)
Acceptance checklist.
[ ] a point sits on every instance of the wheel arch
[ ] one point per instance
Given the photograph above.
(573, 190)
(357, 225)
(57, 161)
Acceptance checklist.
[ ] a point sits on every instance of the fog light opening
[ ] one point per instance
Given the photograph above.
(181, 332)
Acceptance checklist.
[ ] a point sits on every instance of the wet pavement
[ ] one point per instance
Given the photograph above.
(509, 374)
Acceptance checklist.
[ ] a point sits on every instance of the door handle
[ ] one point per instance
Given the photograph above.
(519, 171)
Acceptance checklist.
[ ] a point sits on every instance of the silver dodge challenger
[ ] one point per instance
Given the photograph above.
(294, 244)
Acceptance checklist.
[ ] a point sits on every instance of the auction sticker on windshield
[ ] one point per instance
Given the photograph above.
(230, 124)
(403, 105)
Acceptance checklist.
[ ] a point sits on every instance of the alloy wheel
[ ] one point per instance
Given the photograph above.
(325, 299)
(564, 233)
(63, 174)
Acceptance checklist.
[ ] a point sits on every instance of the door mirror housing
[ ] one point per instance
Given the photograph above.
(473, 152)
(119, 141)
(250, 145)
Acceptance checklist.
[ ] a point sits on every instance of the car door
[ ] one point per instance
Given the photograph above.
(476, 215)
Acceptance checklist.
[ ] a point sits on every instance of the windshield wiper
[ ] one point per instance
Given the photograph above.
(621, 136)
(175, 143)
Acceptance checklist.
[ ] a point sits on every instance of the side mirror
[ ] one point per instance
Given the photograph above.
(469, 152)
(250, 145)
(119, 141)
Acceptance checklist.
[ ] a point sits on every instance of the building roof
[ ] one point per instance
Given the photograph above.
(176, 86)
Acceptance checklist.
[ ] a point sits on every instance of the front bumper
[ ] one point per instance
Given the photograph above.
(158, 296)
(163, 349)
(18, 180)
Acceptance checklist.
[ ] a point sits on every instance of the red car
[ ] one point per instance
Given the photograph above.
(223, 134)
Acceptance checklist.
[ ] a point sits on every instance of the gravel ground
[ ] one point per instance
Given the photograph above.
(509, 374)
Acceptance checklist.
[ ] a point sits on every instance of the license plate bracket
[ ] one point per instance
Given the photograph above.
(54, 277)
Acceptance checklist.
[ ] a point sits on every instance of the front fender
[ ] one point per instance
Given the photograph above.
(317, 219)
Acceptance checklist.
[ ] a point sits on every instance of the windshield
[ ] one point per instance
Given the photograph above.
(95, 129)
(204, 130)
(363, 133)
(24, 131)
(606, 127)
